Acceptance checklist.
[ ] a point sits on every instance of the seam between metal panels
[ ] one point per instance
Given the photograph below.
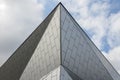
(52, 14)
(67, 69)
(60, 37)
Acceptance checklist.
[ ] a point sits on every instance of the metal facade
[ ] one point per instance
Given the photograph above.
(58, 49)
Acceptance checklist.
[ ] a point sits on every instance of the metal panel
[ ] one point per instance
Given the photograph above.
(64, 75)
(77, 54)
(15, 65)
(47, 54)
(53, 75)
(60, 50)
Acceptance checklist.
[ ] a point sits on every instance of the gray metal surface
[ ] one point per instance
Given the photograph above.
(80, 55)
(53, 75)
(59, 73)
(64, 75)
(58, 50)
(46, 57)
(15, 65)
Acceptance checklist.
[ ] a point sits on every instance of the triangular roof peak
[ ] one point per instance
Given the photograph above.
(58, 41)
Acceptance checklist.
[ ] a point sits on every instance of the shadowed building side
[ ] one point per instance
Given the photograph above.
(15, 65)
(58, 49)
(80, 55)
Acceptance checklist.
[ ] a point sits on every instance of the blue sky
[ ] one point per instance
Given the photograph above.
(114, 8)
(99, 18)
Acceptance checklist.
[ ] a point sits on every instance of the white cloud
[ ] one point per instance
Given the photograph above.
(114, 30)
(96, 25)
(17, 20)
(95, 16)
(3, 58)
(91, 15)
(100, 8)
(114, 57)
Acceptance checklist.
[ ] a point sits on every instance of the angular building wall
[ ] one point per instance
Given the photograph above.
(52, 75)
(46, 57)
(78, 54)
(64, 75)
(58, 50)
(15, 65)
(59, 73)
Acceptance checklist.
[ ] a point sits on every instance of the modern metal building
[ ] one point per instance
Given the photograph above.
(58, 49)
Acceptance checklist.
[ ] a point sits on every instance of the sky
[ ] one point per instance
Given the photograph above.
(100, 19)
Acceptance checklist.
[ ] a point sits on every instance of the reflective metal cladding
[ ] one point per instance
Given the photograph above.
(58, 49)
